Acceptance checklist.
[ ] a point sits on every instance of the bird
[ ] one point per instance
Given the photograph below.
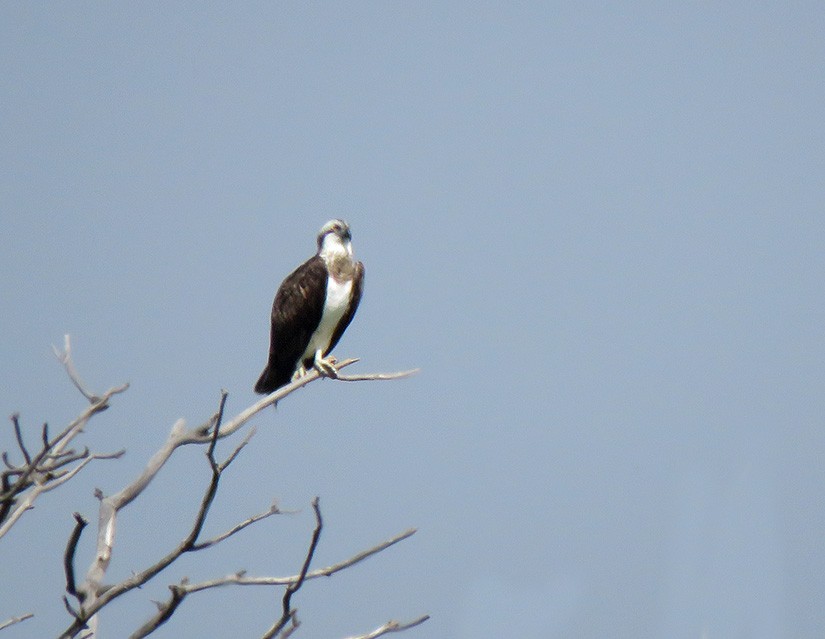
(312, 309)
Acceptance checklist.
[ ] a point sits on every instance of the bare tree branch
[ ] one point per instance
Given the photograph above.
(15, 418)
(88, 458)
(164, 614)
(363, 377)
(39, 473)
(10, 622)
(288, 614)
(273, 510)
(240, 578)
(216, 430)
(68, 556)
(73, 612)
(94, 600)
(50, 469)
(65, 358)
(211, 431)
(180, 591)
(392, 626)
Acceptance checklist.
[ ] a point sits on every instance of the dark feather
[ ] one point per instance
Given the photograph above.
(296, 312)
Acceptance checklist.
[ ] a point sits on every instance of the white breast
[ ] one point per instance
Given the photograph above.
(335, 305)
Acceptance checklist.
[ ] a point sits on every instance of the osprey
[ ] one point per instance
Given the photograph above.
(312, 308)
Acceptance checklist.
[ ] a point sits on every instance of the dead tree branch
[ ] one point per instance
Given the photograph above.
(40, 473)
(180, 591)
(392, 626)
(241, 579)
(86, 615)
(377, 376)
(211, 431)
(273, 510)
(54, 463)
(10, 622)
(288, 614)
(21, 485)
(65, 358)
(68, 556)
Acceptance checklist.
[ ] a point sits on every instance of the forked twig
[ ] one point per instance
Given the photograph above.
(65, 358)
(241, 579)
(288, 614)
(22, 485)
(93, 595)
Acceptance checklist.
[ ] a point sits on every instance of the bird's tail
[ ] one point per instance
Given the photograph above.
(269, 381)
(266, 382)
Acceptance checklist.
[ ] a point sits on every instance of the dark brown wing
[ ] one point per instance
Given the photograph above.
(357, 289)
(296, 312)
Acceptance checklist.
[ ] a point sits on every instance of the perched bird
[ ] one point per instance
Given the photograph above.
(312, 308)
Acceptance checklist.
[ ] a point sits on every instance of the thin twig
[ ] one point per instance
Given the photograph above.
(164, 614)
(249, 435)
(38, 475)
(184, 588)
(216, 430)
(288, 614)
(65, 358)
(6, 461)
(74, 613)
(273, 510)
(68, 556)
(181, 590)
(377, 376)
(24, 473)
(392, 626)
(10, 622)
(56, 462)
(240, 578)
(15, 418)
(86, 461)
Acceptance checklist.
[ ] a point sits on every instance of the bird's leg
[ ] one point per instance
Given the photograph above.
(325, 367)
(299, 372)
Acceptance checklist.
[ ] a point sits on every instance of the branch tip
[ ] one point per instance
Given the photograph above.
(13, 620)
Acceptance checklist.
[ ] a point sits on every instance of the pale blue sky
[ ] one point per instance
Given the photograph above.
(597, 229)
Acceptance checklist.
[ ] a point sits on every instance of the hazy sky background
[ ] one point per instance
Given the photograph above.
(597, 229)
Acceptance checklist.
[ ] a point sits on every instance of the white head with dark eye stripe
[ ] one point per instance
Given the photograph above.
(334, 238)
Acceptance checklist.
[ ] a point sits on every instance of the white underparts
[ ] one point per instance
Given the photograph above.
(336, 304)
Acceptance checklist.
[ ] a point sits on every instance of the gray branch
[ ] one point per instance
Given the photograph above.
(273, 510)
(377, 376)
(392, 626)
(241, 579)
(14, 620)
(288, 613)
(65, 358)
(180, 591)
(49, 469)
(45, 471)
(95, 595)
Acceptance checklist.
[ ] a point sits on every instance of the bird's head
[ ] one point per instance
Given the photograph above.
(335, 237)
